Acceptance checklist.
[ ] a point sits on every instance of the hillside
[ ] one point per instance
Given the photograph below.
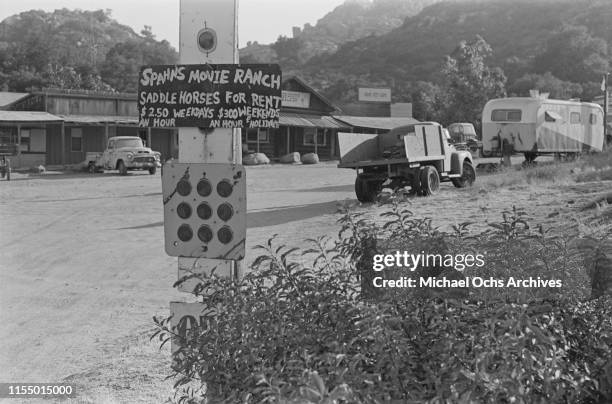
(517, 31)
(350, 21)
(66, 48)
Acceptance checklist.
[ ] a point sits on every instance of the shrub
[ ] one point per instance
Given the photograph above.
(292, 332)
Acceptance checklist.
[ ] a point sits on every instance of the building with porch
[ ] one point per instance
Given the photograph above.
(59, 127)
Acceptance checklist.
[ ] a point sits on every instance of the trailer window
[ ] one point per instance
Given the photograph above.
(575, 117)
(593, 119)
(506, 115)
(552, 116)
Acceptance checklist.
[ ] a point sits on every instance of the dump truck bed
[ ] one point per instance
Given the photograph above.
(422, 143)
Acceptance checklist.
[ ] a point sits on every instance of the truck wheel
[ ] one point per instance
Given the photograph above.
(430, 180)
(91, 167)
(152, 170)
(122, 168)
(366, 190)
(467, 178)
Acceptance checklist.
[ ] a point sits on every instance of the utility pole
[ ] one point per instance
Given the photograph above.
(209, 97)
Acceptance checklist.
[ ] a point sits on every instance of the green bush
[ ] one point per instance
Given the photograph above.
(289, 332)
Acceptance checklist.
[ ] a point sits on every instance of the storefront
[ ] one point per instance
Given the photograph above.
(305, 125)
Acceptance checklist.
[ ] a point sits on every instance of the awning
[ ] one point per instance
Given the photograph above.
(310, 121)
(28, 117)
(375, 122)
(101, 119)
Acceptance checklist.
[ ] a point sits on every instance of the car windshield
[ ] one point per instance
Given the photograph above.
(128, 143)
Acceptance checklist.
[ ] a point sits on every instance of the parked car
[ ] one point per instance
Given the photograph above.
(124, 153)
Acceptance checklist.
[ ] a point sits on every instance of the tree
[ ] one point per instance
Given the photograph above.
(545, 83)
(123, 61)
(470, 83)
(572, 54)
(426, 101)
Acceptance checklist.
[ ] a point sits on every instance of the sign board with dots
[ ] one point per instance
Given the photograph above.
(204, 210)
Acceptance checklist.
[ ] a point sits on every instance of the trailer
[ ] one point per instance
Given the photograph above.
(535, 126)
(418, 156)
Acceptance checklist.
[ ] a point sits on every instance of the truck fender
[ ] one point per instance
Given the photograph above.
(457, 159)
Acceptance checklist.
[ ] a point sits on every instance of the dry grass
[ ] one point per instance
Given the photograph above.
(589, 167)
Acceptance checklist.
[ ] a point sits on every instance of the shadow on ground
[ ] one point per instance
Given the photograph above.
(274, 216)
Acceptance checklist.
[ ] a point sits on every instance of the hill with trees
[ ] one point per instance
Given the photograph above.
(559, 46)
(352, 20)
(75, 49)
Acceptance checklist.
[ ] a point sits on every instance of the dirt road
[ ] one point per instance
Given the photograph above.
(83, 267)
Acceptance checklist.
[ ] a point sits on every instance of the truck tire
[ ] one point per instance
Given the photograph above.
(121, 167)
(366, 190)
(467, 177)
(152, 170)
(430, 180)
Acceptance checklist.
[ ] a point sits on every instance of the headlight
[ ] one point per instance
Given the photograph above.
(130, 156)
(157, 157)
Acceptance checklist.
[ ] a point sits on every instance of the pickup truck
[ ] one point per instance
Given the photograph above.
(418, 156)
(124, 153)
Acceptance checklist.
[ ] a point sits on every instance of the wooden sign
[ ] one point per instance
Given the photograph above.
(209, 96)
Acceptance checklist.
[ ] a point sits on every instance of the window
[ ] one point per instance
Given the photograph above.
(575, 117)
(552, 116)
(593, 119)
(506, 115)
(309, 137)
(254, 133)
(24, 146)
(76, 140)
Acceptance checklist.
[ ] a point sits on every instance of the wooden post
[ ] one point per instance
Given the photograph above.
(18, 140)
(605, 117)
(149, 141)
(63, 143)
(199, 145)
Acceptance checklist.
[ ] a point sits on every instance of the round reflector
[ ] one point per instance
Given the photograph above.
(225, 235)
(204, 187)
(207, 40)
(224, 188)
(205, 234)
(225, 211)
(204, 211)
(183, 210)
(184, 232)
(183, 187)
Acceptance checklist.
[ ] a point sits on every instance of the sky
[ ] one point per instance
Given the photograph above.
(258, 20)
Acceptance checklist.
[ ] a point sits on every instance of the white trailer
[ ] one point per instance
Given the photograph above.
(535, 126)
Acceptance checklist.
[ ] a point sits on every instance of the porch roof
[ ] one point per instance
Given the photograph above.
(101, 119)
(375, 122)
(28, 117)
(310, 121)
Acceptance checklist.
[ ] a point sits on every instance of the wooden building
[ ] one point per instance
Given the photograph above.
(76, 122)
(306, 125)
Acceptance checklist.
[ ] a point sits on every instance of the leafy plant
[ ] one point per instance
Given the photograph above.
(297, 328)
